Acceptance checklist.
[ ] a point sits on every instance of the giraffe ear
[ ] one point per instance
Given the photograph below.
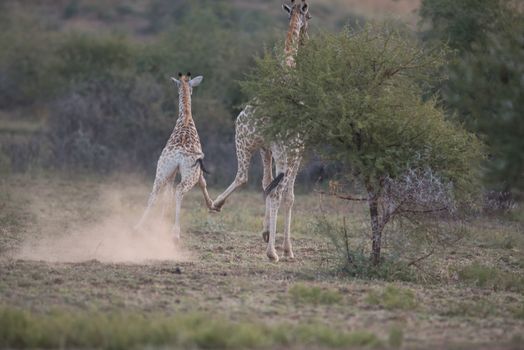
(196, 81)
(176, 81)
(286, 8)
(304, 8)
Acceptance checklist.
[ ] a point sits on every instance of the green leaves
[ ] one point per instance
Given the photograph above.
(357, 97)
(485, 85)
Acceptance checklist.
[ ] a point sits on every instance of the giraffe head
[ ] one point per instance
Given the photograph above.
(185, 88)
(299, 16)
(185, 84)
(298, 12)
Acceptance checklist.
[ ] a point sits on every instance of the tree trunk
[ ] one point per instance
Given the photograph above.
(375, 228)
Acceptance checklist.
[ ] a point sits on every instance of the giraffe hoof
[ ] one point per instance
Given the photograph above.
(265, 236)
(289, 255)
(217, 206)
(272, 255)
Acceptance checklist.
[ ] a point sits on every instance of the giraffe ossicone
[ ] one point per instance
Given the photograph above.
(249, 138)
(182, 154)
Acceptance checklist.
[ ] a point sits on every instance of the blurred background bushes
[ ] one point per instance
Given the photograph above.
(100, 98)
(485, 88)
(84, 85)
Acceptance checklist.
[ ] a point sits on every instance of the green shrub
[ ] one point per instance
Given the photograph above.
(482, 308)
(26, 61)
(84, 57)
(21, 329)
(320, 334)
(354, 261)
(393, 298)
(301, 293)
(491, 278)
(484, 84)
(5, 163)
(396, 337)
(518, 312)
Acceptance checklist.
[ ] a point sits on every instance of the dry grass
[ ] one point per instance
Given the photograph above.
(226, 274)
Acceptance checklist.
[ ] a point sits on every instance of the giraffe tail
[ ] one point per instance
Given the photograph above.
(273, 184)
(201, 162)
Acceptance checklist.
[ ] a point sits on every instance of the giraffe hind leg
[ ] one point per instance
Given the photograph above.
(246, 143)
(169, 196)
(203, 186)
(189, 177)
(244, 158)
(157, 187)
(267, 162)
(164, 173)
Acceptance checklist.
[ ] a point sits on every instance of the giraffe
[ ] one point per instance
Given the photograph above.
(182, 153)
(249, 139)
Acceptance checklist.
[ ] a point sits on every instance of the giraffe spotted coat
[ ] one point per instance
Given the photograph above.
(182, 154)
(249, 138)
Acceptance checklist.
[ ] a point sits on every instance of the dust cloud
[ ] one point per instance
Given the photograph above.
(109, 238)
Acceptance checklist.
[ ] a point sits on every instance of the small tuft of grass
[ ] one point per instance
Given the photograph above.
(518, 312)
(516, 341)
(393, 298)
(491, 278)
(301, 293)
(396, 337)
(320, 334)
(482, 309)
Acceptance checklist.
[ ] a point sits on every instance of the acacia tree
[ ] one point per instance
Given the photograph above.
(356, 97)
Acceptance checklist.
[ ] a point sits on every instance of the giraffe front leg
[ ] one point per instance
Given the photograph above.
(274, 203)
(275, 196)
(287, 202)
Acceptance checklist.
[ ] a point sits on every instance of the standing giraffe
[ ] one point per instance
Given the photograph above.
(249, 138)
(182, 153)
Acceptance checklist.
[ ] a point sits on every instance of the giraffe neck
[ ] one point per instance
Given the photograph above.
(184, 105)
(292, 39)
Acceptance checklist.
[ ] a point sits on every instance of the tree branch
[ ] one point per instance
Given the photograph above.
(345, 197)
(423, 257)
(422, 211)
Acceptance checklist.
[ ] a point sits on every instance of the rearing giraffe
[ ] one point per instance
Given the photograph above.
(182, 153)
(249, 138)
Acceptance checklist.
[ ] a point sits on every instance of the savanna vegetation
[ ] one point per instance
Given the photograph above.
(407, 229)
(484, 88)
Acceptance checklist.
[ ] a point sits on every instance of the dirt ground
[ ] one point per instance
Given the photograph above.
(67, 244)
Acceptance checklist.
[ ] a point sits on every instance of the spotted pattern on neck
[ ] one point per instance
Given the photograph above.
(185, 136)
(292, 38)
